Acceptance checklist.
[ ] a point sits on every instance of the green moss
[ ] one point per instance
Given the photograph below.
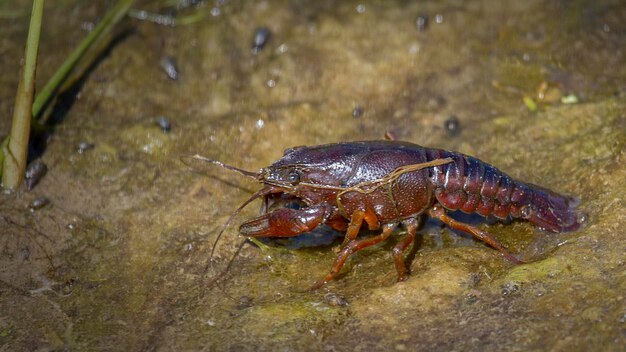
(6, 330)
(540, 270)
(287, 318)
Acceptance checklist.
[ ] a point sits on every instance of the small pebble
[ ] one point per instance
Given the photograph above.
(169, 66)
(469, 298)
(163, 123)
(282, 48)
(85, 146)
(333, 299)
(38, 203)
(510, 288)
(261, 36)
(244, 302)
(34, 172)
(452, 126)
(421, 23)
(474, 279)
(67, 287)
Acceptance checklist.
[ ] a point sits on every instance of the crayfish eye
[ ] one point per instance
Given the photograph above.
(293, 176)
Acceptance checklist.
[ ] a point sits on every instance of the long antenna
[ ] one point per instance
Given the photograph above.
(263, 192)
(246, 173)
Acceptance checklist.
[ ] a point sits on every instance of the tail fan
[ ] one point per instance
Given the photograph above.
(552, 211)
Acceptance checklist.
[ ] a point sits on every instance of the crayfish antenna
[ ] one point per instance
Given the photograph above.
(186, 160)
(217, 277)
(263, 192)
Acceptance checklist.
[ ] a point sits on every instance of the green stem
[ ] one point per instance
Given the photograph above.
(16, 152)
(115, 15)
(3, 148)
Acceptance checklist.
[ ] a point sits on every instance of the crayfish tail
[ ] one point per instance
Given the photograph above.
(552, 211)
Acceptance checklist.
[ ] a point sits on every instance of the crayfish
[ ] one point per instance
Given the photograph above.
(384, 184)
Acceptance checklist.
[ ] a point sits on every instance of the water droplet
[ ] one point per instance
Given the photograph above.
(525, 212)
(84, 146)
(582, 217)
(452, 125)
(88, 26)
(282, 48)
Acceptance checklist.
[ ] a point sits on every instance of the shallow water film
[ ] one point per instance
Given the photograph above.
(110, 250)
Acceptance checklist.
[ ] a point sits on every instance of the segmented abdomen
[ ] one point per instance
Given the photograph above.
(470, 185)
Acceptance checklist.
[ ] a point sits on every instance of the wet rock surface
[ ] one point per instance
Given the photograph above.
(117, 258)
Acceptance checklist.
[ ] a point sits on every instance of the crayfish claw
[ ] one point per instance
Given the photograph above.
(284, 222)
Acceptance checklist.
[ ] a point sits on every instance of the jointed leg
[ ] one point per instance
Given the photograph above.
(439, 213)
(349, 249)
(354, 227)
(357, 221)
(398, 250)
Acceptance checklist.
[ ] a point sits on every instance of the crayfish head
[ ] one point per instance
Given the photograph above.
(283, 177)
(325, 166)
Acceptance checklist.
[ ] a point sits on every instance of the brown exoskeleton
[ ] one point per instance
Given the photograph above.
(387, 183)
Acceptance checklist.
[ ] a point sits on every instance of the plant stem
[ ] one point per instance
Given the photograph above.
(16, 152)
(113, 16)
